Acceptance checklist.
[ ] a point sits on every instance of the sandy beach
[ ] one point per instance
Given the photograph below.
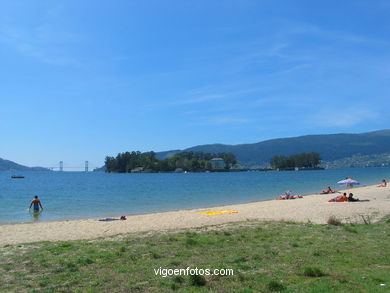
(313, 208)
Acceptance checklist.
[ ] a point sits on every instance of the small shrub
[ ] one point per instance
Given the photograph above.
(275, 286)
(197, 280)
(313, 272)
(333, 221)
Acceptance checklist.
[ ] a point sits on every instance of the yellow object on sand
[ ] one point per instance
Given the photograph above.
(212, 213)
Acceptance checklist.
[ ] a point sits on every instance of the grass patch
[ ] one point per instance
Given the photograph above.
(350, 229)
(264, 256)
(275, 286)
(313, 272)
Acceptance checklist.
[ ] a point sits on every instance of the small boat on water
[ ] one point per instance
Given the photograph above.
(16, 177)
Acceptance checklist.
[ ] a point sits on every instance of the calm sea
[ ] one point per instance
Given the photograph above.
(75, 195)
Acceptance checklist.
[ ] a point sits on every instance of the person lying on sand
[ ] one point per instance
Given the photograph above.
(383, 184)
(351, 199)
(340, 198)
(287, 195)
(328, 190)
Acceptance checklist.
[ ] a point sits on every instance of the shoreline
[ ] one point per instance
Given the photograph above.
(151, 213)
(172, 210)
(312, 208)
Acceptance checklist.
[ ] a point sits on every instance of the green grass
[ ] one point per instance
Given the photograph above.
(265, 257)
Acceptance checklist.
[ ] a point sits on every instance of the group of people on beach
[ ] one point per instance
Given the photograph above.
(344, 198)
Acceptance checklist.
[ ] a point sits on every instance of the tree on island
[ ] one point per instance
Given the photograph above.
(302, 160)
(187, 161)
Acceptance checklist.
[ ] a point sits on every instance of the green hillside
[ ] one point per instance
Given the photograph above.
(6, 165)
(331, 147)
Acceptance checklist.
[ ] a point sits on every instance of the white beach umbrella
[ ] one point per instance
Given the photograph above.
(348, 181)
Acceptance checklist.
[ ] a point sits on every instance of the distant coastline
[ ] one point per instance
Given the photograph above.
(341, 150)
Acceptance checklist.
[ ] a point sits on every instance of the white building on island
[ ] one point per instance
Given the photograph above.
(217, 163)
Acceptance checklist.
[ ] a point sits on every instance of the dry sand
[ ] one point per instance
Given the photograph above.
(313, 208)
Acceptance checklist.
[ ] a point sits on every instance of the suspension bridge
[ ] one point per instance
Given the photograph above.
(60, 166)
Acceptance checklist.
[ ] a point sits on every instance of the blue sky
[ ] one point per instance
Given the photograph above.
(80, 80)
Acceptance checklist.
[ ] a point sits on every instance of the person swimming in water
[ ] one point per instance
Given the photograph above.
(37, 203)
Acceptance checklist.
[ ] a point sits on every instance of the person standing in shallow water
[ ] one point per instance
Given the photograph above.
(36, 203)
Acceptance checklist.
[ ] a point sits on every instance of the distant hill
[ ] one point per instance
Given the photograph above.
(6, 165)
(330, 146)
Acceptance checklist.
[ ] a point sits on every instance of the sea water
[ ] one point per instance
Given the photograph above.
(76, 195)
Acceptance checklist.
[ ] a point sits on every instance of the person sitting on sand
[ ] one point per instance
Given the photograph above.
(383, 184)
(328, 190)
(351, 199)
(287, 194)
(37, 203)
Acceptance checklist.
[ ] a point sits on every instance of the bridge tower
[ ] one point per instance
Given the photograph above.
(61, 166)
(86, 166)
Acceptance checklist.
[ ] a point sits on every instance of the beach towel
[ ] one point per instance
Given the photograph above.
(112, 219)
(108, 219)
(213, 213)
